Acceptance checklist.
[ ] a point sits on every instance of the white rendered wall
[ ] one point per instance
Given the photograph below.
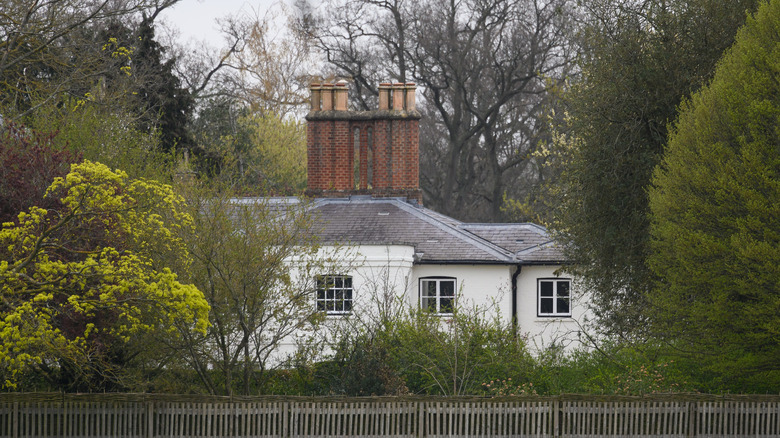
(543, 332)
(380, 282)
(487, 287)
(381, 278)
(386, 280)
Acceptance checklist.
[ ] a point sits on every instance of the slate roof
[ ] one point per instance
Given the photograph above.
(436, 238)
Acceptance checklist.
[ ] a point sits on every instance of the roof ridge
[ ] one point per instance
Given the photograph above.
(536, 247)
(465, 235)
(541, 229)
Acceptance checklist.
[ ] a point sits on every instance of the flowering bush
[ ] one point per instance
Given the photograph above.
(646, 379)
(80, 282)
(498, 388)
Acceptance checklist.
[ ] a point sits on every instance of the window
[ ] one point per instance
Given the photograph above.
(437, 295)
(334, 294)
(554, 297)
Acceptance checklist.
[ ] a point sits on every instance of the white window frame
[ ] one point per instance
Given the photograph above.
(336, 290)
(437, 297)
(557, 294)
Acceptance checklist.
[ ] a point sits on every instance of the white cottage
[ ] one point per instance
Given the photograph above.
(435, 262)
(363, 177)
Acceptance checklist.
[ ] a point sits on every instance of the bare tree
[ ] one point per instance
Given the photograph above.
(486, 70)
(264, 67)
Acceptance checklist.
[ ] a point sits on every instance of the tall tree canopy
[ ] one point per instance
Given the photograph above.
(639, 59)
(45, 51)
(716, 215)
(163, 104)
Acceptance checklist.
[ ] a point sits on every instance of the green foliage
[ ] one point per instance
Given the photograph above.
(638, 60)
(256, 261)
(217, 132)
(80, 286)
(110, 116)
(613, 369)
(362, 366)
(49, 50)
(106, 134)
(716, 216)
(277, 158)
(454, 356)
(472, 353)
(258, 153)
(112, 64)
(422, 353)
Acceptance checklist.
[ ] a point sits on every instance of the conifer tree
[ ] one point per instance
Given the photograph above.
(638, 60)
(716, 215)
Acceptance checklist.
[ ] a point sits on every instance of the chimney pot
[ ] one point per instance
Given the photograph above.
(340, 96)
(316, 96)
(398, 97)
(411, 88)
(384, 96)
(327, 97)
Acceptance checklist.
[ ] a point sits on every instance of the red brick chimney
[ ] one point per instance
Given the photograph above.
(363, 152)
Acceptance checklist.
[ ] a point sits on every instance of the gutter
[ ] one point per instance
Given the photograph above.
(514, 298)
(462, 262)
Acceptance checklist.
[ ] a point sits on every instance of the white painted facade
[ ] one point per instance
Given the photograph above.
(545, 331)
(386, 277)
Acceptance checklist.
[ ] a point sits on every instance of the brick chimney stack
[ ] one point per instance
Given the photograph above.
(363, 152)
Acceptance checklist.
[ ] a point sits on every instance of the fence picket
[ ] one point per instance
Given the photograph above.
(136, 415)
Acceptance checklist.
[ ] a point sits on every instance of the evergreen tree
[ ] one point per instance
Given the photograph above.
(639, 60)
(163, 102)
(716, 215)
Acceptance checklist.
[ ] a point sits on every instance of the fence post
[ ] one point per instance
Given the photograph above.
(420, 416)
(556, 405)
(285, 414)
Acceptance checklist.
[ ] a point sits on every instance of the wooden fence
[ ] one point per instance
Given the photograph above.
(150, 415)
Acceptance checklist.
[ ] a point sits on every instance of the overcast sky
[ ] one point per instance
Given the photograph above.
(196, 19)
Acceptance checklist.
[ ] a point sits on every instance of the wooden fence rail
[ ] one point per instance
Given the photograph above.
(147, 415)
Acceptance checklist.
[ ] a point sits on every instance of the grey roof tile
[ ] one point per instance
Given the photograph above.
(529, 242)
(438, 238)
(435, 237)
